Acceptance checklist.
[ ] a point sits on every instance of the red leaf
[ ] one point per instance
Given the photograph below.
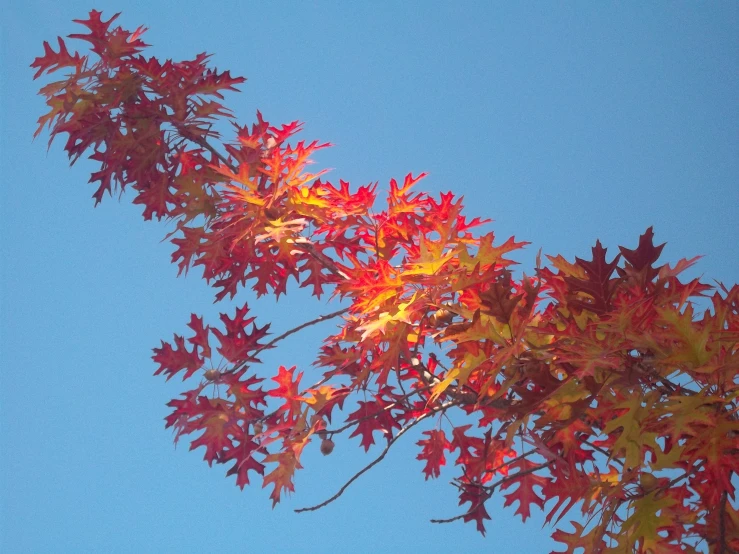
(242, 453)
(184, 409)
(499, 299)
(247, 397)
(281, 478)
(475, 494)
(188, 247)
(598, 285)
(645, 254)
(200, 413)
(109, 45)
(98, 30)
(288, 390)
(370, 417)
(155, 195)
(212, 83)
(525, 493)
(217, 426)
(236, 342)
(51, 61)
(201, 335)
(433, 452)
(173, 360)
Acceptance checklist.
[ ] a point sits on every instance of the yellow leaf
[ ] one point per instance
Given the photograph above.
(238, 194)
(461, 374)
(692, 334)
(430, 260)
(402, 314)
(571, 270)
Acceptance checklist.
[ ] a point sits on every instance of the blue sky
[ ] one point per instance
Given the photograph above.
(562, 122)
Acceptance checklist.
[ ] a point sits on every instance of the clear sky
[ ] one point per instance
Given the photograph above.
(564, 122)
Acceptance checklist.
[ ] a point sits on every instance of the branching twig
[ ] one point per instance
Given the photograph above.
(509, 462)
(326, 262)
(488, 491)
(200, 141)
(429, 380)
(601, 450)
(286, 334)
(375, 461)
(688, 473)
(373, 414)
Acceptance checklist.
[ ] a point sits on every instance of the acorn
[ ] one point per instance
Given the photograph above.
(648, 482)
(272, 213)
(258, 427)
(212, 374)
(327, 446)
(440, 316)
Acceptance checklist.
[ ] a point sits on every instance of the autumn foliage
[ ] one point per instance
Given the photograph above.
(593, 390)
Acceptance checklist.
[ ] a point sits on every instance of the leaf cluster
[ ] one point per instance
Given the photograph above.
(593, 388)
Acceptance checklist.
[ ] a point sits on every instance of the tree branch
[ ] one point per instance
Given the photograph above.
(203, 143)
(722, 525)
(373, 414)
(375, 461)
(488, 491)
(429, 380)
(325, 261)
(286, 334)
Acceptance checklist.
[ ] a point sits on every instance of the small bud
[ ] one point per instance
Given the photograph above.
(212, 374)
(327, 446)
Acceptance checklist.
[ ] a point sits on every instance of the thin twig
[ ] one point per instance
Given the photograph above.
(491, 488)
(374, 414)
(375, 461)
(463, 396)
(669, 484)
(286, 334)
(327, 262)
(488, 491)
(722, 524)
(601, 450)
(200, 141)
(509, 462)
